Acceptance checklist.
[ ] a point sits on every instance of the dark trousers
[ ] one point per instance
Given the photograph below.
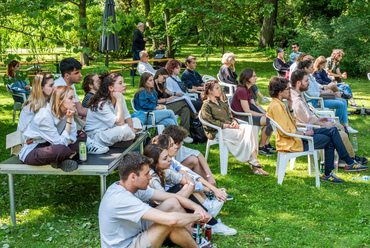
(45, 153)
(328, 138)
(197, 104)
(135, 57)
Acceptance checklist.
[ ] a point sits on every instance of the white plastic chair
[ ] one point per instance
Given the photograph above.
(206, 78)
(256, 129)
(284, 157)
(17, 105)
(224, 152)
(160, 128)
(319, 99)
(231, 87)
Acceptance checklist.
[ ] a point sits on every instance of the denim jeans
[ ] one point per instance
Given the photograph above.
(340, 106)
(328, 138)
(345, 89)
(165, 117)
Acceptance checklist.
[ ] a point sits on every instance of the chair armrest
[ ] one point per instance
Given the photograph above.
(208, 124)
(305, 125)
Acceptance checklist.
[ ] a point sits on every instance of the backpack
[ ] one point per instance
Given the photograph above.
(197, 132)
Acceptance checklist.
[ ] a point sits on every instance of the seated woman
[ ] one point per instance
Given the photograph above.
(51, 137)
(240, 140)
(178, 88)
(43, 85)
(243, 102)
(147, 100)
(314, 90)
(322, 78)
(108, 120)
(18, 86)
(228, 75)
(90, 85)
(179, 107)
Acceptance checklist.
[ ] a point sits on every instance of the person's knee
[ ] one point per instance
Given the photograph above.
(191, 162)
(173, 205)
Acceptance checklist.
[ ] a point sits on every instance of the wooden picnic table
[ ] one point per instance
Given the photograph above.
(127, 66)
(96, 165)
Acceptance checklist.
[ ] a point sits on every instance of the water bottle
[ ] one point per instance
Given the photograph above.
(336, 162)
(362, 110)
(364, 178)
(355, 143)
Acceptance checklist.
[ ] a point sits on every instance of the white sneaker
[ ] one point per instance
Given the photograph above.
(188, 140)
(351, 130)
(215, 207)
(265, 99)
(205, 244)
(95, 148)
(222, 229)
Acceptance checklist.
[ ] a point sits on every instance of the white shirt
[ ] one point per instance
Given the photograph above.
(43, 128)
(25, 117)
(145, 67)
(61, 82)
(120, 215)
(104, 119)
(293, 68)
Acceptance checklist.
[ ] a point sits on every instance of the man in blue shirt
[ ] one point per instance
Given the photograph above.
(191, 77)
(294, 55)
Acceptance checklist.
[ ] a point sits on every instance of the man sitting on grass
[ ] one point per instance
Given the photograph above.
(326, 138)
(126, 221)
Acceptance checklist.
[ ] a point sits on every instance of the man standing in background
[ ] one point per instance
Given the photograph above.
(138, 44)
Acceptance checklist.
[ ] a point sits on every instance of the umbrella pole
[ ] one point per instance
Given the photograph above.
(107, 60)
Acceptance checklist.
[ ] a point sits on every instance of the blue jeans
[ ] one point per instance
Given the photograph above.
(345, 89)
(328, 138)
(165, 117)
(340, 106)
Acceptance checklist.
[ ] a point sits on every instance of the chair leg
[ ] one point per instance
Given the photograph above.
(160, 129)
(292, 162)
(277, 164)
(224, 157)
(317, 175)
(14, 112)
(207, 149)
(283, 162)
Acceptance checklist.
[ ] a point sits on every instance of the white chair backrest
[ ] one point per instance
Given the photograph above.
(205, 78)
(133, 104)
(368, 75)
(206, 123)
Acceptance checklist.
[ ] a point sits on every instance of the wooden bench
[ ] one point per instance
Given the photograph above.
(96, 165)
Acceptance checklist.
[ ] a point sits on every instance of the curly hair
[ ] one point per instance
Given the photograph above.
(276, 85)
(301, 56)
(227, 57)
(336, 53)
(88, 80)
(103, 94)
(177, 133)
(153, 151)
(172, 65)
(244, 77)
(209, 85)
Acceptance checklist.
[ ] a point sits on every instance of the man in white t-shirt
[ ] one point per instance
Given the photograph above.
(143, 65)
(71, 74)
(126, 221)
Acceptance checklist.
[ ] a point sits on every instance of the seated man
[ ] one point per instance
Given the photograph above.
(90, 85)
(143, 65)
(305, 115)
(280, 64)
(161, 50)
(332, 65)
(126, 221)
(326, 138)
(190, 76)
(294, 55)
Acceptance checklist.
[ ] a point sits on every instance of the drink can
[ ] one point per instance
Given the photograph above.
(197, 235)
(83, 152)
(208, 233)
(322, 166)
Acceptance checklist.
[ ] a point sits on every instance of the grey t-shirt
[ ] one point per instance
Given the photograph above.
(120, 215)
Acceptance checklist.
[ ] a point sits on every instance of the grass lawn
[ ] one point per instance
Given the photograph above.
(62, 211)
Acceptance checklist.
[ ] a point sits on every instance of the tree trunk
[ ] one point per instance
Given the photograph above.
(223, 43)
(150, 22)
(169, 38)
(83, 39)
(268, 30)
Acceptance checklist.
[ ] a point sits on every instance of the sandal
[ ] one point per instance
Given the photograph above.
(261, 172)
(354, 106)
(254, 163)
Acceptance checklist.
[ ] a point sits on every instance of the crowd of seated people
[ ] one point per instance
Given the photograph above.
(167, 187)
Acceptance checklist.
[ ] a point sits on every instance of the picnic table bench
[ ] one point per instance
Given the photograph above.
(96, 165)
(127, 66)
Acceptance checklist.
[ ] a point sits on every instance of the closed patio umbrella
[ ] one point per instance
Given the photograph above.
(110, 42)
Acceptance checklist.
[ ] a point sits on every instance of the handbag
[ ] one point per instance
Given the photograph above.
(197, 132)
(328, 95)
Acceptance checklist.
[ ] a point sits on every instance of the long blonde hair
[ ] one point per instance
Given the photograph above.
(37, 99)
(320, 60)
(59, 94)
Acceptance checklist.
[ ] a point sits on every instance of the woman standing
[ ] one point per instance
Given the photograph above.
(51, 137)
(239, 139)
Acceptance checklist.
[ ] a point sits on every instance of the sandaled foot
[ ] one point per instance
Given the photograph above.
(260, 171)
